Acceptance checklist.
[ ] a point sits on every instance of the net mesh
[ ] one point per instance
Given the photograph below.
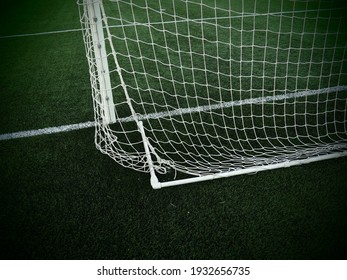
(220, 85)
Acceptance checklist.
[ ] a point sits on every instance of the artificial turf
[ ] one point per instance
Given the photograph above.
(60, 198)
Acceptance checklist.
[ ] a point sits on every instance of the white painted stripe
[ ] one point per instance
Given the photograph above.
(43, 131)
(198, 20)
(40, 33)
(177, 112)
(224, 105)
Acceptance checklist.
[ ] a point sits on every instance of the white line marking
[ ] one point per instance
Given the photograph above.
(206, 108)
(198, 20)
(48, 130)
(40, 33)
(224, 105)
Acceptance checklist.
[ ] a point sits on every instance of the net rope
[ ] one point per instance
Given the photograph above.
(221, 85)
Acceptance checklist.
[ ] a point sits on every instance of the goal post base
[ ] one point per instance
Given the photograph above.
(251, 170)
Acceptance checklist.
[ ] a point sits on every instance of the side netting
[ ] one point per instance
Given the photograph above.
(192, 90)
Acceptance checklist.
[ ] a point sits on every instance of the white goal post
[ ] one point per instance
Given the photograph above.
(194, 90)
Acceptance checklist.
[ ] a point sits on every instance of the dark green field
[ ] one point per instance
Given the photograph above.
(60, 198)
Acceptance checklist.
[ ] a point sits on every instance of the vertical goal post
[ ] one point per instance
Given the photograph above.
(195, 90)
(97, 55)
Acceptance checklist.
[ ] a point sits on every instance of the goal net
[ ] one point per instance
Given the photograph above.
(192, 90)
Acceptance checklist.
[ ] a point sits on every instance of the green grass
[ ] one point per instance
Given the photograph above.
(60, 198)
(41, 82)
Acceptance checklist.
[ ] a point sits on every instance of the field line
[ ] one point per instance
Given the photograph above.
(198, 20)
(177, 112)
(48, 130)
(225, 105)
(40, 33)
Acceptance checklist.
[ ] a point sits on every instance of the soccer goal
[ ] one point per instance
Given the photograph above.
(194, 90)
